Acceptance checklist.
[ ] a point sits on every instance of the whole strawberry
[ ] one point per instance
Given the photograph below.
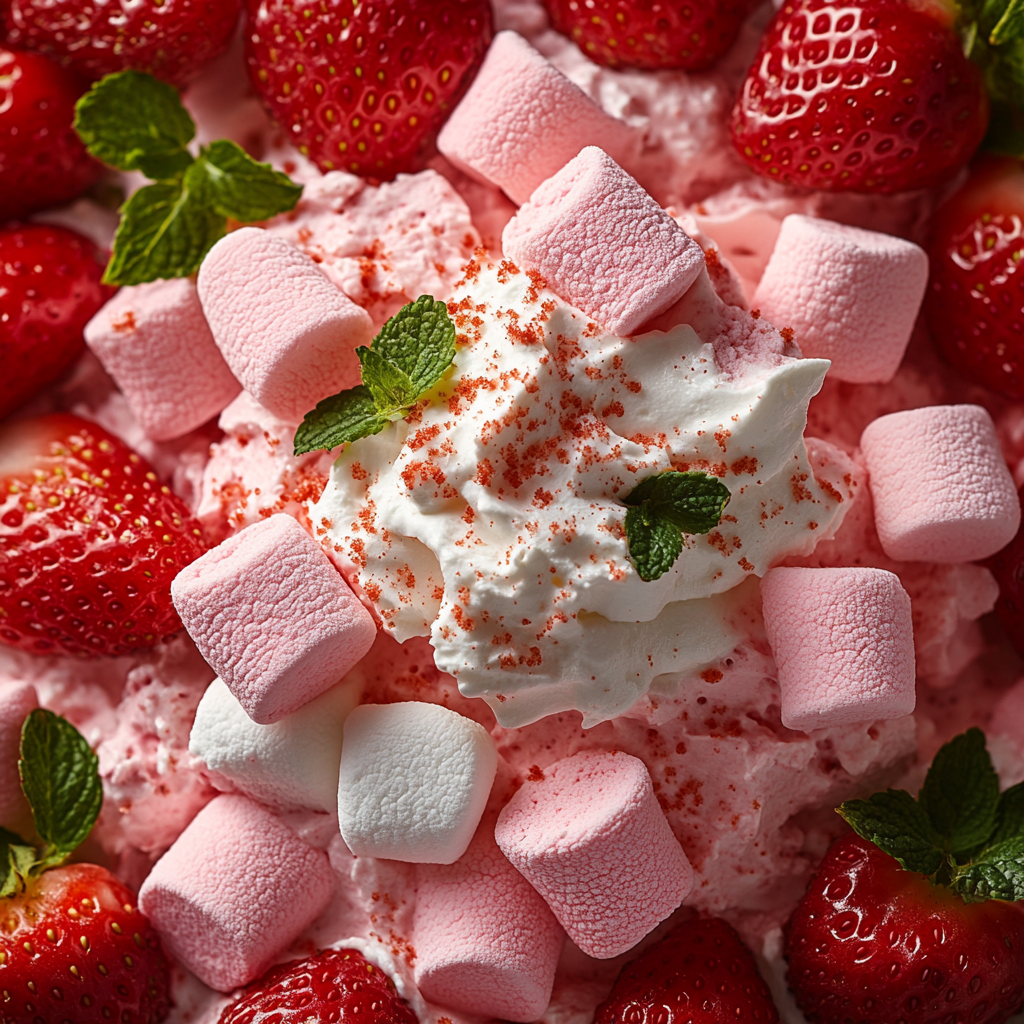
(700, 973)
(913, 919)
(365, 87)
(89, 541)
(49, 290)
(863, 96)
(171, 39)
(42, 161)
(1008, 568)
(74, 948)
(336, 985)
(650, 34)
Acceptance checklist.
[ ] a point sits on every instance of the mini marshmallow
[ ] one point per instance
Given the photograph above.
(155, 342)
(850, 295)
(843, 642)
(486, 943)
(593, 841)
(17, 700)
(603, 244)
(522, 120)
(941, 487)
(234, 891)
(291, 763)
(414, 782)
(273, 617)
(287, 333)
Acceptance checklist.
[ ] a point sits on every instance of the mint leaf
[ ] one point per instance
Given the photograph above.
(60, 777)
(134, 121)
(420, 340)
(1010, 26)
(242, 188)
(390, 386)
(961, 793)
(344, 417)
(896, 823)
(653, 543)
(998, 874)
(1009, 815)
(16, 860)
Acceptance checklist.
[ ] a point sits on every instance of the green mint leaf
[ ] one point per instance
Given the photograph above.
(897, 824)
(1010, 26)
(60, 777)
(420, 340)
(961, 793)
(998, 874)
(344, 417)
(134, 121)
(242, 188)
(16, 859)
(653, 543)
(693, 502)
(1009, 816)
(166, 229)
(393, 392)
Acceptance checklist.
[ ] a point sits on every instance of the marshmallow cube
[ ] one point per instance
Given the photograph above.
(941, 487)
(17, 700)
(603, 244)
(273, 617)
(287, 333)
(486, 943)
(155, 342)
(414, 782)
(843, 642)
(593, 841)
(290, 763)
(234, 891)
(521, 120)
(850, 295)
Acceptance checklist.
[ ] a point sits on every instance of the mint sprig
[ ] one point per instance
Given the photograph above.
(662, 508)
(404, 362)
(133, 121)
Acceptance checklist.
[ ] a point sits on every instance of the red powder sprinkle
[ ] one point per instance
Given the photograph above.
(372, 591)
(721, 436)
(125, 324)
(501, 638)
(748, 464)
(614, 409)
(423, 436)
(800, 492)
(831, 491)
(469, 515)
(462, 620)
(745, 565)
(537, 285)
(484, 473)
(536, 775)
(756, 314)
(506, 269)
(787, 334)
(358, 473)
(711, 675)
(634, 386)
(359, 554)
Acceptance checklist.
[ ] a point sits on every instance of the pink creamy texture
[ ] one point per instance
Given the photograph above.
(748, 800)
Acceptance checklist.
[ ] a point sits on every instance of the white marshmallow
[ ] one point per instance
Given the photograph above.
(414, 782)
(293, 762)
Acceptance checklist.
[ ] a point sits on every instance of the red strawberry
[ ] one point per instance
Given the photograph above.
(42, 160)
(49, 290)
(172, 39)
(365, 88)
(1008, 568)
(700, 973)
(89, 541)
(863, 95)
(651, 33)
(337, 985)
(74, 948)
(975, 301)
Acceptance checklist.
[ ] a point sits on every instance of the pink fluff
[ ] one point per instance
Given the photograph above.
(1008, 715)
(17, 700)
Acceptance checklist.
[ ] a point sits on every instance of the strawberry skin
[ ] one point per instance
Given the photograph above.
(49, 290)
(863, 96)
(873, 943)
(74, 948)
(89, 541)
(650, 34)
(367, 89)
(700, 973)
(336, 985)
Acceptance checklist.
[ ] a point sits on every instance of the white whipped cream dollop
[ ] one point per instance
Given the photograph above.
(492, 518)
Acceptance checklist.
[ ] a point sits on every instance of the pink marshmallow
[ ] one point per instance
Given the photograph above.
(603, 244)
(155, 342)
(273, 617)
(234, 891)
(522, 120)
(850, 295)
(593, 841)
(941, 487)
(1008, 715)
(486, 943)
(17, 700)
(287, 333)
(843, 642)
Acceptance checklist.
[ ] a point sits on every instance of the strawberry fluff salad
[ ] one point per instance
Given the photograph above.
(482, 485)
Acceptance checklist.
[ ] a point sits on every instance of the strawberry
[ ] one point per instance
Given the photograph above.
(975, 300)
(89, 541)
(49, 290)
(650, 34)
(700, 973)
(172, 39)
(912, 920)
(1008, 568)
(336, 985)
(365, 87)
(42, 161)
(864, 96)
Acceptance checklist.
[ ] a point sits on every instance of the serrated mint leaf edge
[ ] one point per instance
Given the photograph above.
(320, 429)
(258, 179)
(643, 533)
(426, 359)
(997, 874)
(897, 824)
